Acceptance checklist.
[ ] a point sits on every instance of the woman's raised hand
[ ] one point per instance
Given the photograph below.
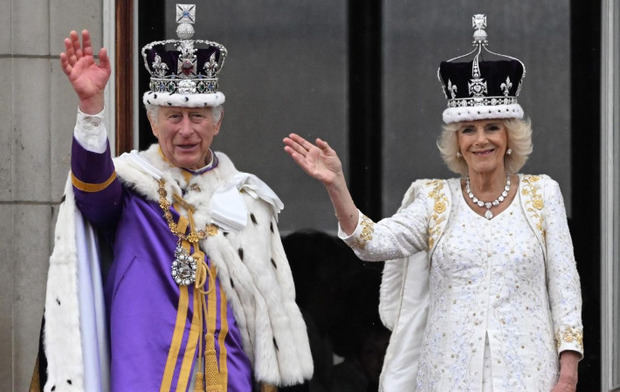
(87, 78)
(319, 160)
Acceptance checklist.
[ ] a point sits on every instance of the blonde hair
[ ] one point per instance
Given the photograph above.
(519, 141)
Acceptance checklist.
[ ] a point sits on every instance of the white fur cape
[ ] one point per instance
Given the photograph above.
(251, 263)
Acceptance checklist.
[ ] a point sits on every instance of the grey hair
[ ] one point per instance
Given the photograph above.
(152, 111)
(519, 141)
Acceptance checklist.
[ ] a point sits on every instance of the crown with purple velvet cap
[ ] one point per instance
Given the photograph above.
(481, 88)
(184, 71)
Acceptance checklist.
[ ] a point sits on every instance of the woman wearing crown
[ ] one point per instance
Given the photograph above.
(481, 289)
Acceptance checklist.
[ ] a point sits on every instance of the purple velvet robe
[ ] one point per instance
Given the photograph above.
(141, 296)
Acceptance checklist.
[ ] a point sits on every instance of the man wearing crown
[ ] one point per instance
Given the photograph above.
(199, 295)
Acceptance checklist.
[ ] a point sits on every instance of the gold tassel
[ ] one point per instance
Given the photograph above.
(199, 382)
(268, 388)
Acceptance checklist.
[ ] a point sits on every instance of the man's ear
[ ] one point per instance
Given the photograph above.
(219, 123)
(153, 123)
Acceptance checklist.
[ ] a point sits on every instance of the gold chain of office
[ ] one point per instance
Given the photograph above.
(193, 236)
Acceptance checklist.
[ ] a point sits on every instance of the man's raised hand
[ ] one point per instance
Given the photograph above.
(87, 78)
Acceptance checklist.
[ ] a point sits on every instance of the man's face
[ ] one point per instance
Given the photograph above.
(185, 135)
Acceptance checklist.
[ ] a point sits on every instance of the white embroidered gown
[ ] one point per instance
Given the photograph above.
(495, 304)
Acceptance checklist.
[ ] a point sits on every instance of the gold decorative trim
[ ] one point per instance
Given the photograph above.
(366, 234)
(569, 335)
(440, 206)
(222, 339)
(216, 379)
(91, 187)
(177, 336)
(534, 202)
(195, 329)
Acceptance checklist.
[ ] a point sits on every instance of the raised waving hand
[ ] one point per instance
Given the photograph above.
(87, 78)
(321, 162)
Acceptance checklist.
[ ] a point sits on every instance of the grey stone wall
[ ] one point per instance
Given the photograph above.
(37, 109)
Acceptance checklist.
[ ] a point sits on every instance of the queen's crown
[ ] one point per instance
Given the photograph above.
(485, 86)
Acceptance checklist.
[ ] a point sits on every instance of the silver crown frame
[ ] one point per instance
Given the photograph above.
(187, 80)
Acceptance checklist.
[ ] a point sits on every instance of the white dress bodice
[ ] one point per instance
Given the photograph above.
(488, 279)
(511, 281)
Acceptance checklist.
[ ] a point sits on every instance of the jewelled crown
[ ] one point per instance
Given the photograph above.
(184, 71)
(481, 88)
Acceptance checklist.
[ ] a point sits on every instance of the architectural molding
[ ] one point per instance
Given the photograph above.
(124, 65)
(109, 42)
(610, 196)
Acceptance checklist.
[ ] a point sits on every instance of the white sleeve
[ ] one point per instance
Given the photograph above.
(398, 236)
(562, 277)
(90, 132)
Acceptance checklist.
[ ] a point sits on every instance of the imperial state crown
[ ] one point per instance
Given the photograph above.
(184, 70)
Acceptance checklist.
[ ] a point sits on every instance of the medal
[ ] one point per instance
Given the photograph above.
(183, 267)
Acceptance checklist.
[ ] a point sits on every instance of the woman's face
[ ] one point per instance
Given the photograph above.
(483, 145)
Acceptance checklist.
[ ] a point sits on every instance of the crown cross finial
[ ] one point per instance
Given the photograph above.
(186, 16)
(479, 23)
(186, 13)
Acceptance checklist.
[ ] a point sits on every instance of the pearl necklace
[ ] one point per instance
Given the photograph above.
(488, 204)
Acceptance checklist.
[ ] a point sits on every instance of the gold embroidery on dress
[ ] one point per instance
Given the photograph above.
(534, 202)
(439, 207)
(570, 335)
(366, 234)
